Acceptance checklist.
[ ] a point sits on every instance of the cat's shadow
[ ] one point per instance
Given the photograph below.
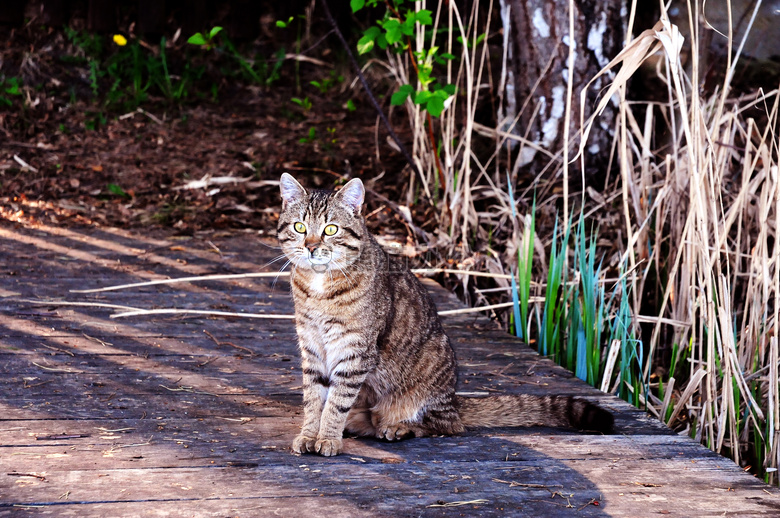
(534, 471)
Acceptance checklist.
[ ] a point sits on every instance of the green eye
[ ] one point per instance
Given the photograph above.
(300, 228)
(331, 229)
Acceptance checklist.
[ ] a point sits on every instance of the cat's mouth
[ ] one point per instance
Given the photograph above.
(319, 259)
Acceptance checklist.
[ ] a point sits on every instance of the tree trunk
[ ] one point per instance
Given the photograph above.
(536, 74)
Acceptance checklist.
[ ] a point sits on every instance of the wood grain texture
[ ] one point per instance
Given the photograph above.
(183, 416)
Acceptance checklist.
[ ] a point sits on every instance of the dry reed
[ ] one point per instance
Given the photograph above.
(698, 213)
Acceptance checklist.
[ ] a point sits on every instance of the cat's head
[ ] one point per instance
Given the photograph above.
(321, 230)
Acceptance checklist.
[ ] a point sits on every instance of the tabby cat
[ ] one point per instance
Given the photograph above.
(375, 358)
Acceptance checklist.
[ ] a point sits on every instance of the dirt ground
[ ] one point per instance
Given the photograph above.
(192, 166)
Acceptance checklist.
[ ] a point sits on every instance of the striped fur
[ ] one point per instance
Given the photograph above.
(375, 358)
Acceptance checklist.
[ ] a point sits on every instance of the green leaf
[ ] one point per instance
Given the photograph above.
(400, 96)
(351, 106)
(423, 17)
(366, 43)
(391, 23)
(435, 106)
(450, 89)
(443, 58)
(394, 32)
(197, 39)
(381, 41)
(468, 42)
(394, 35)
(357, 5)
(117, 190)
(422, 97)
(13, 89)
(408, 26)
(214, 31)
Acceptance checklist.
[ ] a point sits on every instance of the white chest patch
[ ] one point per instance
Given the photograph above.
(318, 283)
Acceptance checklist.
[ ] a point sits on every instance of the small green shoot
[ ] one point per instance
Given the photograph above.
(304, 103)
(205, 40)
(311, 138)
(116, 190)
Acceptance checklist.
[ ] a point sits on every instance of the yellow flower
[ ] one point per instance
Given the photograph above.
(120, 40)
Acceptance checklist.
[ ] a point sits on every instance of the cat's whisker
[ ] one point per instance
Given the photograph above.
(275, 259)
(272, 247)
(344, 273)
(273, 284)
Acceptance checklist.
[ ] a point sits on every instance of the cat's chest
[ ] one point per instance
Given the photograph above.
(317, 284)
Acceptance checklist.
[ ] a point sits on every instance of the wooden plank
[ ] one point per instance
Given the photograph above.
(150, 416)
(380, 488)
(230, 440)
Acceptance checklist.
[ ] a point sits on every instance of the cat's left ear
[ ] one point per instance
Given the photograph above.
(291, 189)
(352, 195)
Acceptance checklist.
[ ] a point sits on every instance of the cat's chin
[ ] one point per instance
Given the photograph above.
(319, 268)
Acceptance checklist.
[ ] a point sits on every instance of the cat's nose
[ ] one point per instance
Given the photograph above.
(312, 244)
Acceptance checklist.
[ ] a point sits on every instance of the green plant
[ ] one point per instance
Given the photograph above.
(116, 190)
(205, 40)
(255, 70)
(310, 138)
(94, 120)
(9, 86)
(304, 103)
(91, 46)
(123, 78)
(284, 24)
(395, 31)
(553, 322)
(329, 82)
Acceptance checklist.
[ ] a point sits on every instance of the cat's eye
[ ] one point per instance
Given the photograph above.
(300, 227)
(330, 230)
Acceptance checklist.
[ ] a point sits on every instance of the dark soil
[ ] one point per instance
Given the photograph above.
(135, 168)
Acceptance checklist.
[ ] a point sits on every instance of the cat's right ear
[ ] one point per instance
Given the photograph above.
(291, 190)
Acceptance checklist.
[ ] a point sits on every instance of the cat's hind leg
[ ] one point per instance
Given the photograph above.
(436, 417)
(359, 422)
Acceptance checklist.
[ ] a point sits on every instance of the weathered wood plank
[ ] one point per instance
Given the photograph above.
(152, 416)
(240, 439)
(415, 486)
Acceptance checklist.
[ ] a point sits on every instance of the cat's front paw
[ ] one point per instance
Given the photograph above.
(328, 447)
(304, 444)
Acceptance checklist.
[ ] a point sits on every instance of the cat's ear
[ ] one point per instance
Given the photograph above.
(291, 189)
(352, 195)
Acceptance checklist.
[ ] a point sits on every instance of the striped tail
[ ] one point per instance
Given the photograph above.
(528, 410)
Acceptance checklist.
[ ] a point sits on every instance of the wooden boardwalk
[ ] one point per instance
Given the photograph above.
(193, 416)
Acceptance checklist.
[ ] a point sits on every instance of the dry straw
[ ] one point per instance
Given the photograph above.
(697, 214)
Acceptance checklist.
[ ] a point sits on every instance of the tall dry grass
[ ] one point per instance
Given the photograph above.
(698, 202)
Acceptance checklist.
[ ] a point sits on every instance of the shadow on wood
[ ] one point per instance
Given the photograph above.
(181, 416)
